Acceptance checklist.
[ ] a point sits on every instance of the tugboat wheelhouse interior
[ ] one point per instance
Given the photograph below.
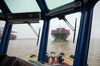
(48, 33)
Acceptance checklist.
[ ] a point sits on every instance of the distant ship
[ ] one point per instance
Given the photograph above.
(12, 36)
(60, 34)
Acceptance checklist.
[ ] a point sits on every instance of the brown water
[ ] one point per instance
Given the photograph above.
(23, 48)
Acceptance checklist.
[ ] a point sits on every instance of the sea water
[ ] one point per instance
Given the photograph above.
(23, 48)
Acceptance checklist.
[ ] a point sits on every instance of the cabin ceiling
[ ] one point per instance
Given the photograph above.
(19, 6)
(43, 6)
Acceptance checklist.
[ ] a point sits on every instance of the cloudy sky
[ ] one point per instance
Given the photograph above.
(24, 31)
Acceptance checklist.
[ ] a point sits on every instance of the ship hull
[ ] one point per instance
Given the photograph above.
(60, 34)
(60, 37)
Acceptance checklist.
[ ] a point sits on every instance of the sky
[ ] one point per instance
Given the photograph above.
(24, 31)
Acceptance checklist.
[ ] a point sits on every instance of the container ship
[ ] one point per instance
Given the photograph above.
(60, 34)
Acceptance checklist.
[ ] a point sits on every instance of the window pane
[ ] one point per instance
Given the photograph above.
(56, 3)
(94, 50)
(61, 38)
(22, 5)
(25, 43)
